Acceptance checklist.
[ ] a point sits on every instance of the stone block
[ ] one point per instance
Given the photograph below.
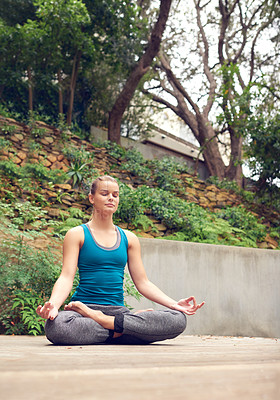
(52, 158)
(22, 155)
(57, 165)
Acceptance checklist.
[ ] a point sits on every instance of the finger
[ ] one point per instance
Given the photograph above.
(38, 310)
(68, 306)
(190, 312)
(194, 303)
(48, 305)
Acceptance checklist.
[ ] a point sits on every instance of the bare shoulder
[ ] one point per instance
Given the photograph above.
(74, 235)
(132, 239)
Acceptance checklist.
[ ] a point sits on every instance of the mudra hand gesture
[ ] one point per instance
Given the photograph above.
(47, 311)
(188, 306)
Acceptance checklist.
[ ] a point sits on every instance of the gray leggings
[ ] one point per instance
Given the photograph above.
(71, 328)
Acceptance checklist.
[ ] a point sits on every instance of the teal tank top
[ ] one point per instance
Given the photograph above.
(101, 270)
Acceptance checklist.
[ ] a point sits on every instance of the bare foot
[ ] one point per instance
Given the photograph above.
(107, 321)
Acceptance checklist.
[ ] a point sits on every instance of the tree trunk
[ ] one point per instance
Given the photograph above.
(60, 94)
(210, 150)
(73, 81)
(30, 89)
(124, 98)
(234, 170)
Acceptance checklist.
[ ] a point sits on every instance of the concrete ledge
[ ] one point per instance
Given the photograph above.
(241, 286)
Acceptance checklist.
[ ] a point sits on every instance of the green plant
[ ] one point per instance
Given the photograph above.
(143, 222)
(8, 111)
(26, 213)
(62, 126)
(24, 175)
(165, 173)
(130, 290)
(38, 199)
(114, 150)
(43, 174)
(34, 147)
(4, 144)
(27, 302)
(10, 169)
(35, 131)
(65, 225)
(76, 212)
(240, 218)
(135, 164)
(75, 172)
(26, 280)
(130, 206)
(8, 129)
(78, 155)
(9, 195)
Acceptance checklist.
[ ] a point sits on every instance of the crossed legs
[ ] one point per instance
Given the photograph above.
(96, 324)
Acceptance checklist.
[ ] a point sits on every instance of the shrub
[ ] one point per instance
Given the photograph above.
(26, 280)
(43, 174)
(135, 164)
(165, 173)
(31, 171)
(240, 218)
(114, 150)
(130, 206)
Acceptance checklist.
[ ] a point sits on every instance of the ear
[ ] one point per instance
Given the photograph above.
(91, 200)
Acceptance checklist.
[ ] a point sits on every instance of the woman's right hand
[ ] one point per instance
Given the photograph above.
(47, 311)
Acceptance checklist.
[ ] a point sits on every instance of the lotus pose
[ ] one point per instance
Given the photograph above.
(96, 313)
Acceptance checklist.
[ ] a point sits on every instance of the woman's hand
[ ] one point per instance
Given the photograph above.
(48, 311)
(186, 306)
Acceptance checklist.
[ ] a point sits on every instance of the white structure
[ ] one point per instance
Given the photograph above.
(161, 143)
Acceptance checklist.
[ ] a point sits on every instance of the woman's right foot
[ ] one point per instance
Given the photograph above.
(107, 321)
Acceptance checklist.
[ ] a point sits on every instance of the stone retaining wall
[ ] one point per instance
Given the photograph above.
(50, 146)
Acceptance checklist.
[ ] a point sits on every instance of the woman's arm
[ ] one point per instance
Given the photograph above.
(147, 288)
(71, 246)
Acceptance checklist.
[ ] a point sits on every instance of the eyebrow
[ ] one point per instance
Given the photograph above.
(106, 190)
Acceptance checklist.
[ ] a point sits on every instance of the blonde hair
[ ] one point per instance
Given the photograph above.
(103, 178)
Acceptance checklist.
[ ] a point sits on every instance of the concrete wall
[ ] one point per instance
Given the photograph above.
(241, 286)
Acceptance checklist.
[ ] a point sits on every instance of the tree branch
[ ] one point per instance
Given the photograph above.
(124, 98)
(205, 58)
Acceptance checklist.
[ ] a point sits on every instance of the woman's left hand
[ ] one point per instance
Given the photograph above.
(188, 306)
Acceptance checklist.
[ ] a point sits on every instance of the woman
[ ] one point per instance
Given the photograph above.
(96, 313)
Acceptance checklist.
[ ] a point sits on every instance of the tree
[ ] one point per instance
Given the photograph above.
(140, 69)
(217, 71)
(64, 38)
(54, 48)
(263, 148)
(15, 12)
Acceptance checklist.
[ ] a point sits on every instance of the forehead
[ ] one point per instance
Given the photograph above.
(108, 185)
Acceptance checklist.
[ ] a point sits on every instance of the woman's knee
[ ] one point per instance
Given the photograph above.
(56, 330)
(181, 321)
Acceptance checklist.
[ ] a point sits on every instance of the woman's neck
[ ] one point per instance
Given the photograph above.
(101, 222)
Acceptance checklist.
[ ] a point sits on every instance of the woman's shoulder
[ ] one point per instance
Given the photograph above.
(131, 237)
(75, 233)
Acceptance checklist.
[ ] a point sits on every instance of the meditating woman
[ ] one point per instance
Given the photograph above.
(96, 313)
